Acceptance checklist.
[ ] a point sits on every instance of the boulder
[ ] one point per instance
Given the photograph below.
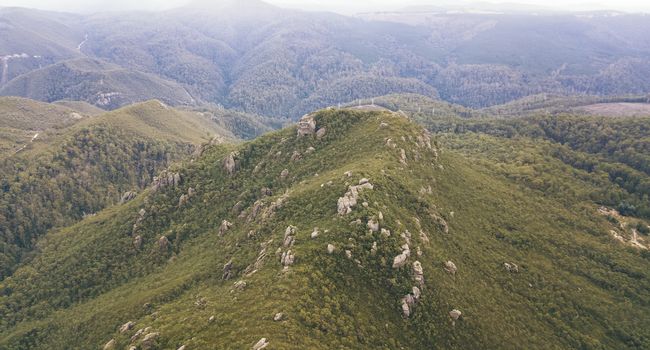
(450, 267)
(330, 248)
(363, 181)
(511, 267)
(315, 233)
(400, 260)
(306, 126)
(224, 227)
(165, 179)
(287, 258)
(182, 347)
(418, 273)
(126, 327)
(163, 244)
(455, 314)
(266, 192)
(373, 225)
(278, 317)
(261, 344)
(284, 174)
(183, 200)
(349, 199)
(373, 249)
(137, 242)
(296, 156)
(149, 340)
(348, 254)
(240, 285)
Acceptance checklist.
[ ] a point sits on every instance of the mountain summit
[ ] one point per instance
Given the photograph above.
(353, 229)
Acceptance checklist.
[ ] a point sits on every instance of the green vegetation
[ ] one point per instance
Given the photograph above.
(71, 172)
(501, 200)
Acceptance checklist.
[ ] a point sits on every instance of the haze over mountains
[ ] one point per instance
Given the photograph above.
(259, 58)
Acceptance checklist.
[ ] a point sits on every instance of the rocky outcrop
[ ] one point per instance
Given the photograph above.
(163, 244)
(373, 225)
(183, 200)
(442, 224)
(418, 273)
(224, 227)
(296, 156)
(400, 260)
(127, 327)
(109, 345)
(306, 126)
(511, 267)
(137, 242)
(289, 236)
(261, 344)
(315, 233)
(127, 196)
(240, 285)
(266, 192)
(165, 179)
(284, 174)
(450, 267)
(149, 340)
(349, 199)
(278, 317)
(455, 315)
(230, 163)
(330, 248)
(287, 258)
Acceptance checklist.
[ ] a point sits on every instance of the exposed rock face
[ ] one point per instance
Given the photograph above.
(126, 327)
(137, 334)
(418, 273)
(306, 126)
(330, 248)
(166, 179)
(127, 196)
(227, 270)
(109, 345)
(261, 344)
(224, 227)
(257, 208)
(230, 163)
(349, 199)
(511, 267)
(450, 267)
(163, 244)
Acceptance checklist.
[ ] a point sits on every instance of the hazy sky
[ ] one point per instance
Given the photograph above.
(344, 6)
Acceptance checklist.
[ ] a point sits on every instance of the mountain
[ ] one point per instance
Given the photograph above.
(261, 59)
(65, 166)
(354, 229)
(101, 84)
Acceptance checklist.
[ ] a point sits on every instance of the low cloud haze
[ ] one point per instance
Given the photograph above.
(342, 6)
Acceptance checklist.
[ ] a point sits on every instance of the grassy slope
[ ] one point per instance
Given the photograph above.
(576, 286)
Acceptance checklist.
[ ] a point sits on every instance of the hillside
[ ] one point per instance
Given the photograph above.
(353, 230)
(65, 173)
(99, 83)
(261, 59)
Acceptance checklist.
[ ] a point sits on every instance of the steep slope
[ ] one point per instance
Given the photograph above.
(66, 173)
(99, 83)
(339, 233)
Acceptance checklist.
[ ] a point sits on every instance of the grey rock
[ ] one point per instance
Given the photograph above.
(261, 344)
(450, 267)
(418, 273)
(224, 227)
(330, 248)
(321, 133)
(127, 196)
(230, 163)
(278, 317)
(163, 244)
(109, 345)
(306, 126)
(227, 270)
(126, 327)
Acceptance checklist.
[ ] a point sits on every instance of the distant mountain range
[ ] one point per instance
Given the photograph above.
(259, 58)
